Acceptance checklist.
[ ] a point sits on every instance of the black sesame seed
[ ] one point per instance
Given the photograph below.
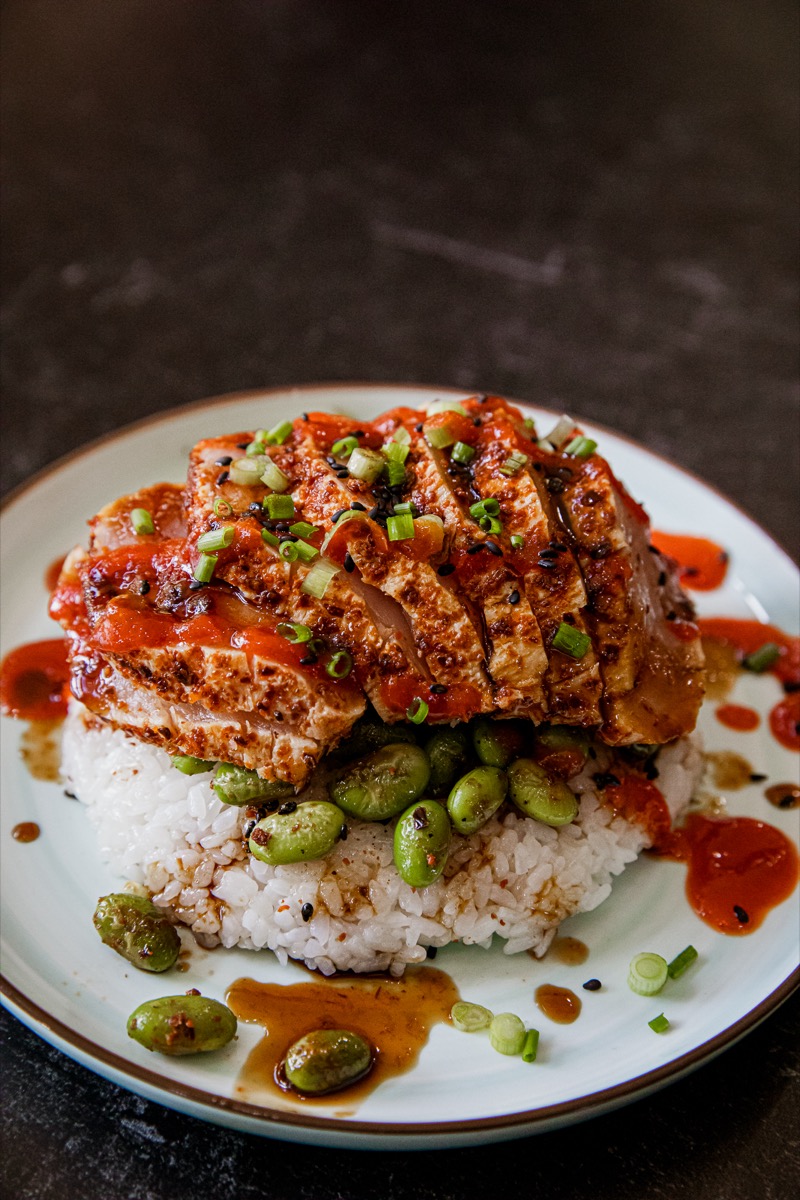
(538, 467)
(339, 513)
(195, 585)
(304, 416)
(349, 565)
(331, 461)
(671, 616)
(548, 554)
(757, 778)
(493, 548)
(357, 507)
(662, 578)
(307, 660)
(476, 421)
(288, 806)
(255, 507)
(144, 588)
(557, 546)
(430, 951)
(547, 563)
(282, 526)
(374, 512)
(554, 484)
(418, 428)
(438, 689)
(791, 686)
(605, 779)
(741, 914)
(222, 477)
(342, 473)
(242, 445)
(225, 461)
(514, 597)
(475, 548)
(357, 433)
(653, 549)
(307, 912)
(287, 537)
(343, 832)
(592, 985)
(445, 569)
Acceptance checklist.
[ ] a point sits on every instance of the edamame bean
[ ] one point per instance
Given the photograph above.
(310, 832)
(182, 1025)
(327, 1060)
(497, 742)
(561, 750)
(137, 930)
(448, 751)
(370, 734)
(421, 841)
(476, 797)
(237, 785)
(382, 784)
(537, 795)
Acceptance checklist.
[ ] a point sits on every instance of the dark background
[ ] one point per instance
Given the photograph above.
(589, 205)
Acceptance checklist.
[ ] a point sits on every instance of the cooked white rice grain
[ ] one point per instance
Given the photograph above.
(515, 877)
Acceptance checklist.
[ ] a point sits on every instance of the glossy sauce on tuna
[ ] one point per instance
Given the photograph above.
(394, 1015)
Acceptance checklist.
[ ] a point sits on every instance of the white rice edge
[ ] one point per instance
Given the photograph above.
(516, 877)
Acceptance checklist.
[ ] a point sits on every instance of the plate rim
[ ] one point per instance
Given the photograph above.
(270, 1120)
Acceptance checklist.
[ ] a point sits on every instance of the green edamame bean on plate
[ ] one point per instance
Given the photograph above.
(448, 750)
(421, 843)
(178, 1025)
(382, 784)
(497, 742)
(368, 734)
(137, 930)
(326, 1060)
(539, 796)
(239, 786)
(309, 832)
(476, 797)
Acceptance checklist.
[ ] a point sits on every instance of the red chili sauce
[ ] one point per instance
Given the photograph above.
(738, 869)
(738, 717)
(702, 564)
(784, 721)
(34, 681)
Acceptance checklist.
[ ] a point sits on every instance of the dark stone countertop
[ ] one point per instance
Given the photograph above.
(592, 206)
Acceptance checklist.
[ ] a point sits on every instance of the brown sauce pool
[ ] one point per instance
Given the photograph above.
(40, 748)
(394, 1015)
(26, 831)
(729, 771)
(568, 950)
(559, 1004)
(783, 795)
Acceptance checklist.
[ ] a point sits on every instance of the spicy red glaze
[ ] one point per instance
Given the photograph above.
(784, 721)
(327, 428)
(34, 681)
(639, 800)
(460, 427)
(702, 564)
(747, 636)
(460, 701)
(738, 717)
(739, 869)
(389, 421)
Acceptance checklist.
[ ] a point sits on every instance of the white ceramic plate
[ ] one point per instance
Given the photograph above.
(62, 982)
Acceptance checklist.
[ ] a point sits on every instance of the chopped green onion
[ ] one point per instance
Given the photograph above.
(280, 507)
(395, 452)
(289, 551)
(190, 765)
(206, 565)
(216, 539)
(274, 477)
(580, 447)
(438, 406)
(571, 641)
(530, 1047)
(222, 508)
(305, 552)
(395, 473)
(303, 529)
(647, 974)
(514, 463)
(246, 472)
(344, 447)
(440, 436)
(562, 429)
(406, 507)
(469, 1018)
(488, 507)
(659, 1024)
(270, 538)
(255, 448)
(507, 1033)
(462, 453)
(761, 659)
(294, 632)
(517, 541)
(401, 435)
(681, 962)
(400, 527)
(417, 711)
(316, 581)
(279, 433)
(529, 425)
(141, 521)
(366, 464)
(490, 525)
(340, 665)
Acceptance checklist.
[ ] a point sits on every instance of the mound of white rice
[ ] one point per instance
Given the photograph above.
(516, 877)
